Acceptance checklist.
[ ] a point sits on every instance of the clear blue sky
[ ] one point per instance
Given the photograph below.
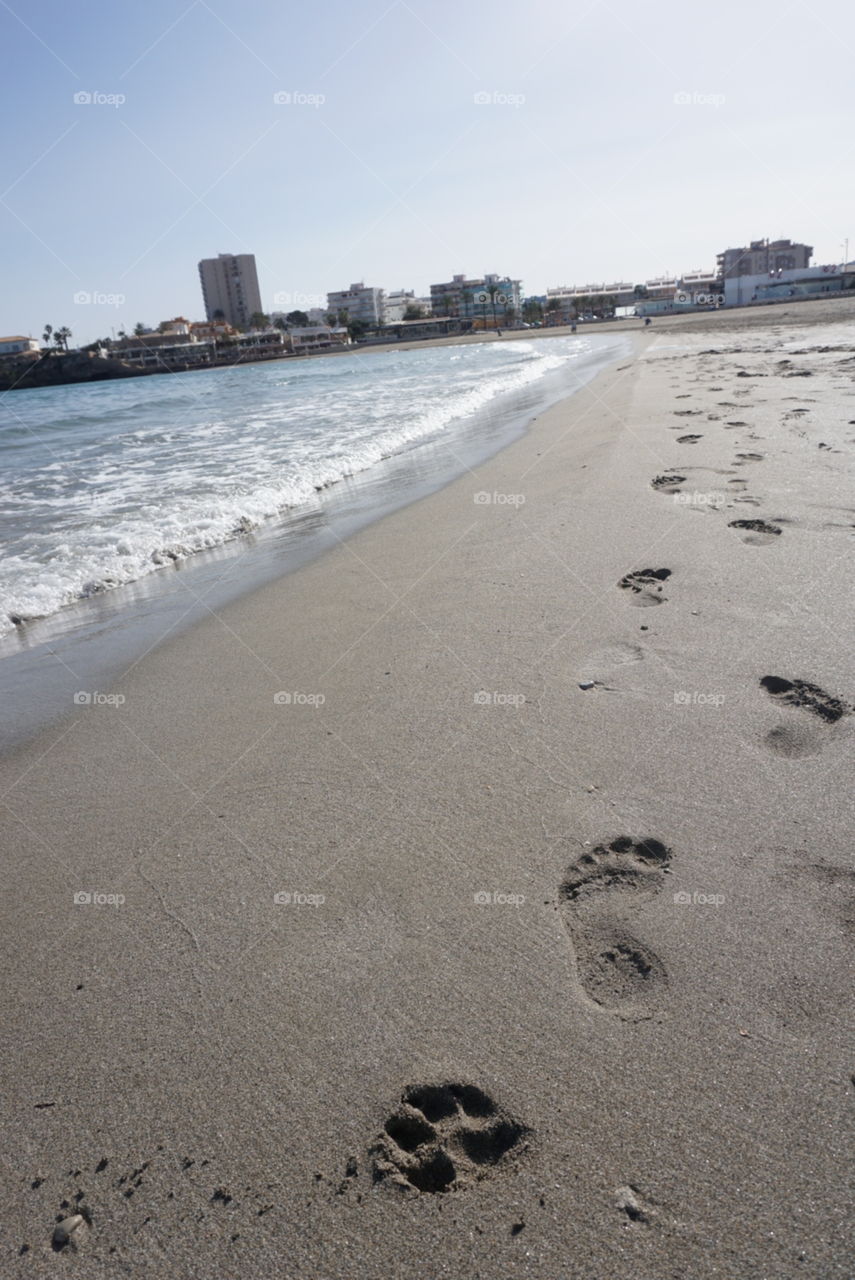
(581, 166)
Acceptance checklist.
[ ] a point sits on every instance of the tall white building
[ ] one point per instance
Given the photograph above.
(359, 302)
(230, 288)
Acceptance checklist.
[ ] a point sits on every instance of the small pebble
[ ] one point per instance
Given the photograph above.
(64, 1230)
(587, 684)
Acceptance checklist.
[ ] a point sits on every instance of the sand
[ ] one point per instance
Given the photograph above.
(559, 982)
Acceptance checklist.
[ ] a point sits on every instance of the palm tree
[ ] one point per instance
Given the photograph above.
(61, 337)
(46, 336)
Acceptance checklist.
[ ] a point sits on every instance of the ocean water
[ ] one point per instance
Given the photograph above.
(103, 485)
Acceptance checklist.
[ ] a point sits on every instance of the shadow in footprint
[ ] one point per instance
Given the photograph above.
(668, 483)
(799, 693)
(757, 532)
(642, 583)
(615, 970)
(688, 439)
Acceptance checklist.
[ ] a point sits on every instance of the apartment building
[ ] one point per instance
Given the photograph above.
(486, 300)
(359, 302)
(230, 288)
(763, 257)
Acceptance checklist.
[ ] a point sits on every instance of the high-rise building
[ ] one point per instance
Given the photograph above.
(230, 288)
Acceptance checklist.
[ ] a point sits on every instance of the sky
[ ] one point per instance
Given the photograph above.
(400, 142)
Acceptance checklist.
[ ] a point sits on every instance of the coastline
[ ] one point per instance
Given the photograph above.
(235, 1055)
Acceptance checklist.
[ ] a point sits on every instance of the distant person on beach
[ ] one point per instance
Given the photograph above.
(647, 319)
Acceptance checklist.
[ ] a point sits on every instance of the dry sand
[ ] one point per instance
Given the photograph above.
(634, 1061)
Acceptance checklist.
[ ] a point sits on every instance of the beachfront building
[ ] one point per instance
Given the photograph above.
(398, 302)
(489, 301)
(762, 257)
(320, 337)
(699, 288)
(567, 303)
(16, 345)
(359, 302)
(230, 288)
(782, 286)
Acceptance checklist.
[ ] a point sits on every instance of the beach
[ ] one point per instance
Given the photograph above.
(479, 899)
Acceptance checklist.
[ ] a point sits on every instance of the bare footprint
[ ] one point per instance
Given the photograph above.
(615, 970)
(799, 693)
(668, 483)
(643, 584)
(757, 532)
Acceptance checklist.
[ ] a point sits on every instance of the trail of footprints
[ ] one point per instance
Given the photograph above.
(444, 1137)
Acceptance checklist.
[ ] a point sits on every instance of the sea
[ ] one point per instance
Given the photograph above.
(119, 498)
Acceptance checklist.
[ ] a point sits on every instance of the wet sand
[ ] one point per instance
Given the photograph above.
(478, 900)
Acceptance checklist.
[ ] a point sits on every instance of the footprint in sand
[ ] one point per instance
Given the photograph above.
(757, 532)
(688, 439)
(646, 585)
(799, 693)
(796, 740)
(614, 970)
(443, 1137)
(668, 483)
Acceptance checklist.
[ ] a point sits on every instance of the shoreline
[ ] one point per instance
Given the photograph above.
(520, 768)
(99, 636)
